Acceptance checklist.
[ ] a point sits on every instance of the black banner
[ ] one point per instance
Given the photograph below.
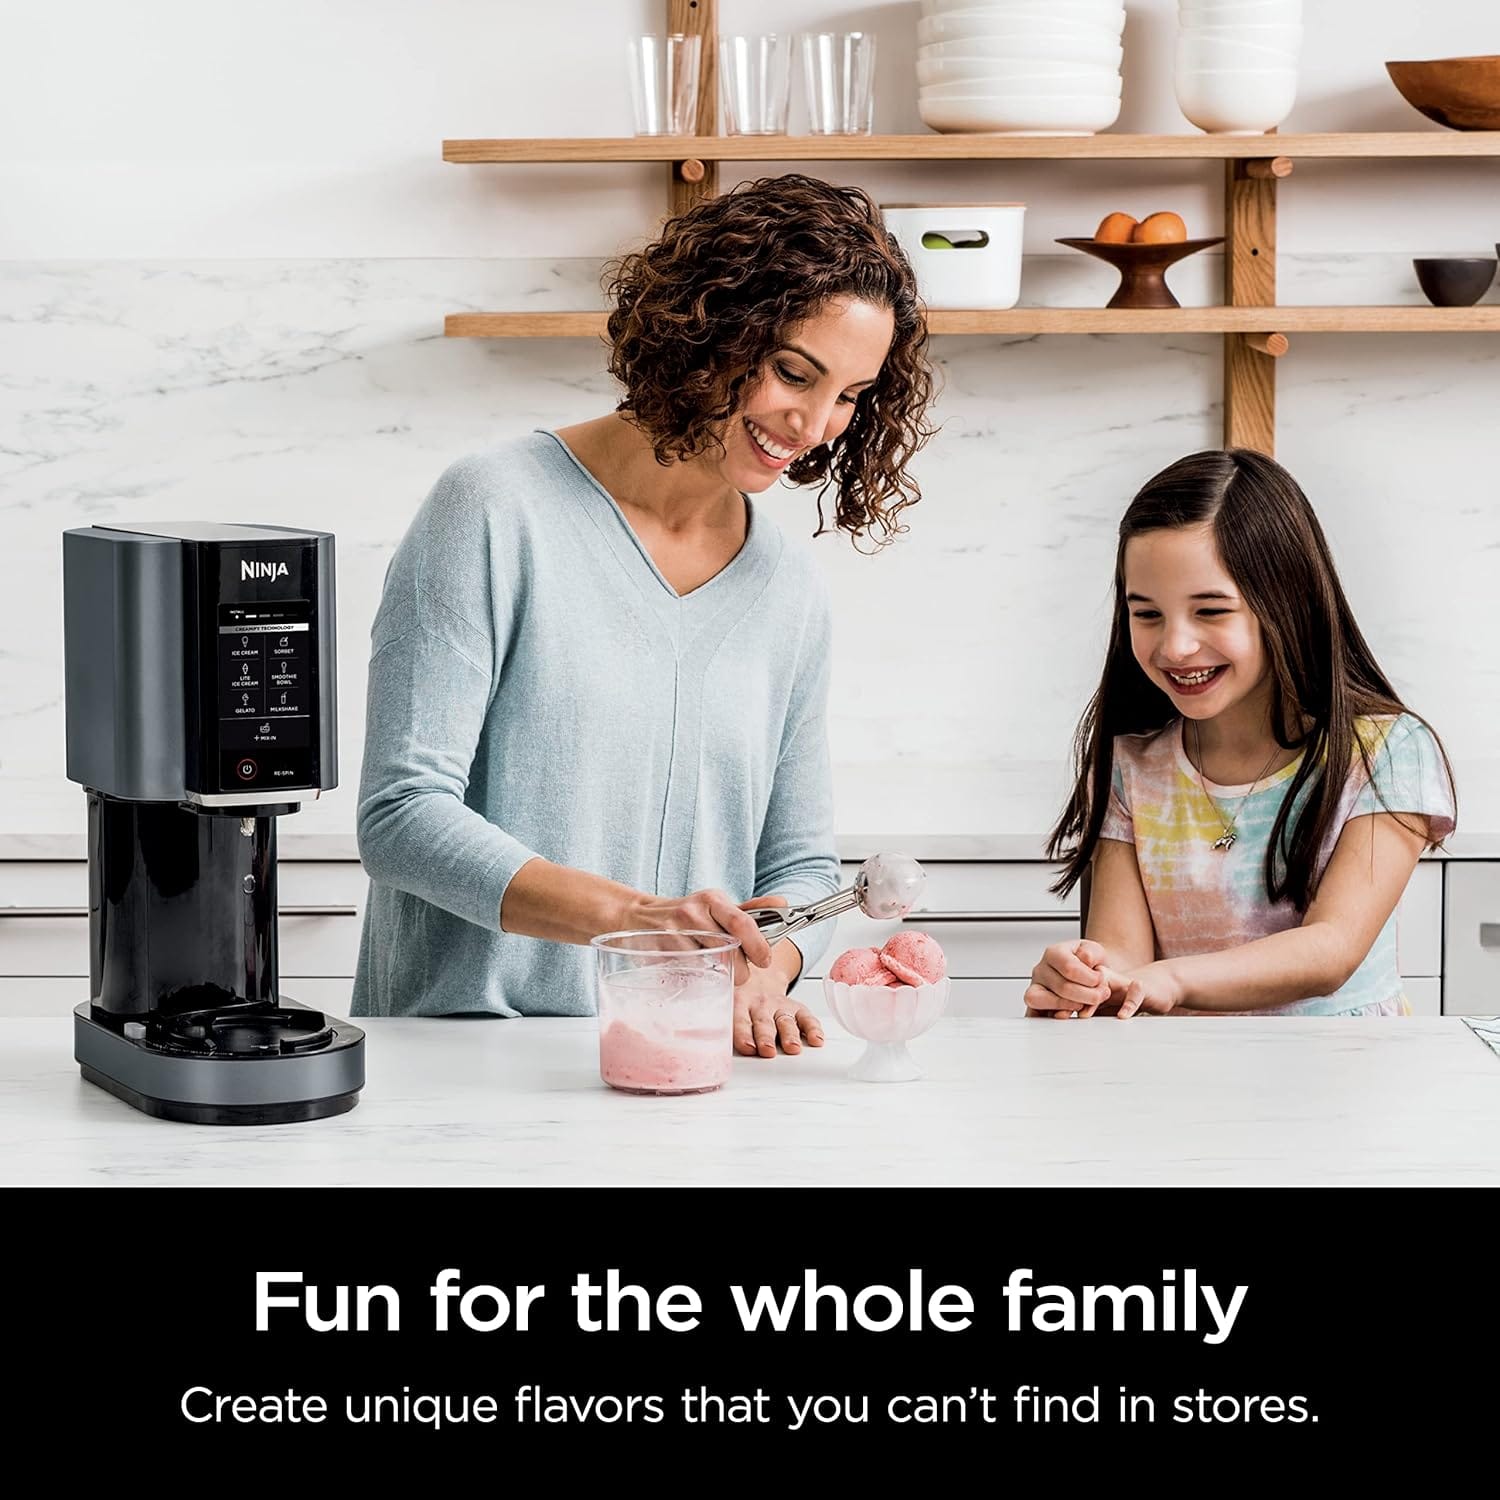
(636, 1327)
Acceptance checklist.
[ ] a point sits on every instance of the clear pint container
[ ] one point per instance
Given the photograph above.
(666, 1011)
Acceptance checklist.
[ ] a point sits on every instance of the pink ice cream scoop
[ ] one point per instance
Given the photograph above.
(914, 958)
(861, 966)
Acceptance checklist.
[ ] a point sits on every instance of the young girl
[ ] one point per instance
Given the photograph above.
(1252, 796)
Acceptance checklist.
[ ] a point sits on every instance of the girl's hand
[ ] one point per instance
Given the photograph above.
(764, 1014)
(1154, 990)
(1068, 982)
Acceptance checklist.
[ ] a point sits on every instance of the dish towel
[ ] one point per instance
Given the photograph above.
(1487, 1029)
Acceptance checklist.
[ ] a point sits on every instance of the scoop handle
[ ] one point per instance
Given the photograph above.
(777, 922)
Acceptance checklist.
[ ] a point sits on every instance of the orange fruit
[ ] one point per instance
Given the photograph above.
(1115, 229)
(1159, 229)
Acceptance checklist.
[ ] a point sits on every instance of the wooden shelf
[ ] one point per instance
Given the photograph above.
(1253, 328)
(1075, 320)
(1370, 145)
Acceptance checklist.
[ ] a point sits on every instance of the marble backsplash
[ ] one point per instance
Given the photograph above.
(323, 393)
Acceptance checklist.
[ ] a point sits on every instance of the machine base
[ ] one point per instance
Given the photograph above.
(268, 1089)
(288, 1113)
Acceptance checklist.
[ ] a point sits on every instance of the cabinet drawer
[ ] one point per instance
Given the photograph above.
(325, 994)
(988, 885)
(1419, 924)
(44, 926)
(56, 997)
(1471, 931)
(999, 999)
(42, 997)
(44, 922)
(1425, 995)
(975, 949)
(993, 919)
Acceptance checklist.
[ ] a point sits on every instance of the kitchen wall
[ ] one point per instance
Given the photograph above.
(227, 242)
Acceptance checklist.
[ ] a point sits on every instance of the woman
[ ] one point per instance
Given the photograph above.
(598, 678)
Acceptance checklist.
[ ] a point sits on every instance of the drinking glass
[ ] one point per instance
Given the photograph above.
(755, 78)
(664, 83)
(839, 71)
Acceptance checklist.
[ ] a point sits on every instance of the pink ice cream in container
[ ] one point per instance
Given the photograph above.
(666, 999)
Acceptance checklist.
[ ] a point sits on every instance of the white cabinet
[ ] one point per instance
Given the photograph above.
(1424, 995)
(993, 919)
(1471, 959)
(41, 997)
(996, 998)
(322, 904)
(44, 924)
(1419, 924)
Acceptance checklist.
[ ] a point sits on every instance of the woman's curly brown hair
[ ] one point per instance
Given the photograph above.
(700, 309)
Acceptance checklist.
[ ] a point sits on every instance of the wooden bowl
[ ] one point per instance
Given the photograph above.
(1142, 268)
(1462, 93)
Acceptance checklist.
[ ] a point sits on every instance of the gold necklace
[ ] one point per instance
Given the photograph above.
(1226, 840)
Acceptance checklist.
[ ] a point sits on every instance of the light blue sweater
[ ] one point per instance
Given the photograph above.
(538, 688)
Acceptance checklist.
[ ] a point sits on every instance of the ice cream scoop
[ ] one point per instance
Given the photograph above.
(887, 887)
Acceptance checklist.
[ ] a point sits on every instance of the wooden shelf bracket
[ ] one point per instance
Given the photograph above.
(1250, 281)
(693, 179)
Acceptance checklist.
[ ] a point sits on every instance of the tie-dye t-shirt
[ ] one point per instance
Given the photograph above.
(1204, 900)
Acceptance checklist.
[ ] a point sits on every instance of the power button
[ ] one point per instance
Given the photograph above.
(246, 769)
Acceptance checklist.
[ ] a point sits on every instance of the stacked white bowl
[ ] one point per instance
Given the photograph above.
(1020, 67)
(1236, 68)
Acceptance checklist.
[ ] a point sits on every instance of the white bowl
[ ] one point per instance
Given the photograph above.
(1244, 102)
(1265, 35)
(1058, 114)
(1105, 10)
(1054, 46)
(886, 1017)
(1073, 85)
(957, 26)
(933, 70)
(1227, 12)
(1194, 51)
(1213, 21)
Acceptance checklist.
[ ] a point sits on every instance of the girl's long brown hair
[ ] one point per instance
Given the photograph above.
(1324, 673)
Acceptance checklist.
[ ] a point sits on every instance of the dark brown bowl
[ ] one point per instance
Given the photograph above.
(1142, 268)
(1455, 282)
(1462, 93)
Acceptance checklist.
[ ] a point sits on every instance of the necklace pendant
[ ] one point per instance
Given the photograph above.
(1225, 841)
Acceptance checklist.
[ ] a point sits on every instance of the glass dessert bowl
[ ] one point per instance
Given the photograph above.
(887, 997)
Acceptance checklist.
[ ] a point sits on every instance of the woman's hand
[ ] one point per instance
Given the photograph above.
(1068, 982)
(764, 1014)
(707, 911)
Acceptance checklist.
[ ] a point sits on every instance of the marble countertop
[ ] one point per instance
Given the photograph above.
(1233, 1102)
